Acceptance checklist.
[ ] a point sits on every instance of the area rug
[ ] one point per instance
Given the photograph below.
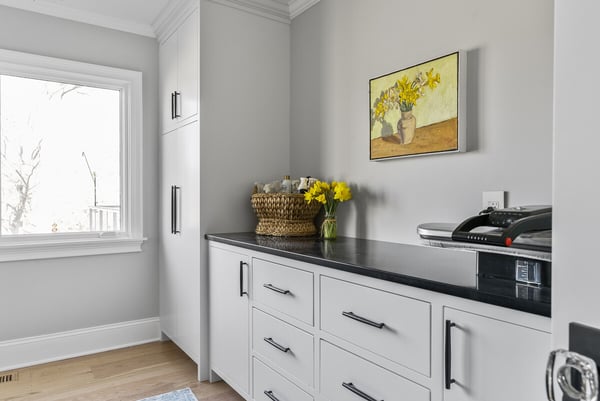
(177, 395)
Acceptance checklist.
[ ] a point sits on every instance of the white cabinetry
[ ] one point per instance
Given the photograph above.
(492, 360)
(229, 317)
(179, 74)
(179, 264)
(179, 238)
(329, 335)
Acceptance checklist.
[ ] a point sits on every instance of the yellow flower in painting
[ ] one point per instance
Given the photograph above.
(403, 84)
(432, 80)
(379, 110)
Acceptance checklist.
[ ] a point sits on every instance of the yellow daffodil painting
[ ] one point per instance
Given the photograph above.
(416, 110)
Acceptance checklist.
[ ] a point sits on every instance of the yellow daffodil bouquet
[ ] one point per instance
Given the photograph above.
(329, 195)
(404, 93)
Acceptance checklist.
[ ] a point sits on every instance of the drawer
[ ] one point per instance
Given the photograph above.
(283, 288)
(343, 372)
(350, 311)
(289, 348)
(266, 380)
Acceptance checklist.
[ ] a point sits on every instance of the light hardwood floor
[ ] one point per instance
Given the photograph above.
(128, 374)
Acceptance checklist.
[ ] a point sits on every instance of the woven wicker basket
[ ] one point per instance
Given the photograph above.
(285, 215)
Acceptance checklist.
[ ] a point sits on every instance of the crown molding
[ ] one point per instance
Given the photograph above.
(297, 7)
(272, 9)
(278, 10)
(73, 14)
(172, 16)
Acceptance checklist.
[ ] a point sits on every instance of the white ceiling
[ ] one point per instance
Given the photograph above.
(141, 16)
(134, 16)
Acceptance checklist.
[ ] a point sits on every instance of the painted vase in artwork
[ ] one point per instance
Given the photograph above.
(406, 127)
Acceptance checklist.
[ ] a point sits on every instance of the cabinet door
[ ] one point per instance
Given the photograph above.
(492, 360)
(167, 81)
(170, 246)
(187, 198)
(180, 251)
(188, 67)
(229, 318)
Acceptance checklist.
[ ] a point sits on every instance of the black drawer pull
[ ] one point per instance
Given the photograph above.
(363, 320)
(242, 292)
(448, 380)
(351, 387)
(270, 395)
(279, 290)
(278, 346)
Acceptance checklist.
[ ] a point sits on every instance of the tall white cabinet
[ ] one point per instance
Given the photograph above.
(238, 63)
(180, 238)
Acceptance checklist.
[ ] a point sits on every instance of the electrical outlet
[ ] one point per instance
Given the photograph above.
(493, 199)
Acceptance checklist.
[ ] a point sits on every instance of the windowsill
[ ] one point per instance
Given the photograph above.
(30, 250)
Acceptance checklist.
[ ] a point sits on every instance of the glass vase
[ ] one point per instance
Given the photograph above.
(329, 227)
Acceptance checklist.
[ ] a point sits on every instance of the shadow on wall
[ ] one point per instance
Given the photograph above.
(363, 200)
(473, 107)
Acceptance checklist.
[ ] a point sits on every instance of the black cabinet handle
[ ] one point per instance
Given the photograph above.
(270, 395)
(242, 292)
(278, 346)
(363, 320)
(361, 394)
(448, 355)
(279, 290)
(172, 105)
(177, 106)
(173, 209)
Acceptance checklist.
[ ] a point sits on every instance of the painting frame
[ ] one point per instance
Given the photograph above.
(419, 110)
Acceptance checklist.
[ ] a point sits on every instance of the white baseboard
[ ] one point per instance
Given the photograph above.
(30, 351)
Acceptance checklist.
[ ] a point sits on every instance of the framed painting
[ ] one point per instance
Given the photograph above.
(419, 110)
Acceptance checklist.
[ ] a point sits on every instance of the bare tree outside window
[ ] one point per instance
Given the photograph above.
(20, 176)
(45, 127)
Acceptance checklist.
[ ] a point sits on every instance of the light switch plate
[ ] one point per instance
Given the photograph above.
(493, 199)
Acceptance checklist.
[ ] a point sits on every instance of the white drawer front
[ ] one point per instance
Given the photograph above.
(405, 335)
(283, 288)
(271, 337)
(340, 368)
(266, 380)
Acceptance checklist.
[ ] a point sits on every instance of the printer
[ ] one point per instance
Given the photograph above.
(514, 243)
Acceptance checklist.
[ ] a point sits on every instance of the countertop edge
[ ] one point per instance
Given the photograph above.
(528, 306)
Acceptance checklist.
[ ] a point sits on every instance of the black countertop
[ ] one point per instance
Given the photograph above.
(447, 271)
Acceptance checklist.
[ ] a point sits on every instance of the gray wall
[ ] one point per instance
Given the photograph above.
(244, 121)
(48, 296)
(575, 273)
(338, 45)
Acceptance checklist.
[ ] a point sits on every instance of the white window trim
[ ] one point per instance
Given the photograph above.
(42, 246)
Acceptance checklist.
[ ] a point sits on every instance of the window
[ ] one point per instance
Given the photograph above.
(70, 158)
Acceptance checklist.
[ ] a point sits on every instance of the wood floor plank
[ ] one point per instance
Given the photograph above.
(128, 374)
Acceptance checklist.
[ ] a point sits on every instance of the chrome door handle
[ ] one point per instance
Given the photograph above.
(585, 369)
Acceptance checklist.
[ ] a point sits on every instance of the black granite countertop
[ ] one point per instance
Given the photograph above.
(447, 271)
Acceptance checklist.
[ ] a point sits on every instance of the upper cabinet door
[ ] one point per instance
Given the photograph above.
(188, 67)
(168, 81)
(179, 74)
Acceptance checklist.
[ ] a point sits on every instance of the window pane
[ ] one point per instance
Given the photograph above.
(49, 131)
